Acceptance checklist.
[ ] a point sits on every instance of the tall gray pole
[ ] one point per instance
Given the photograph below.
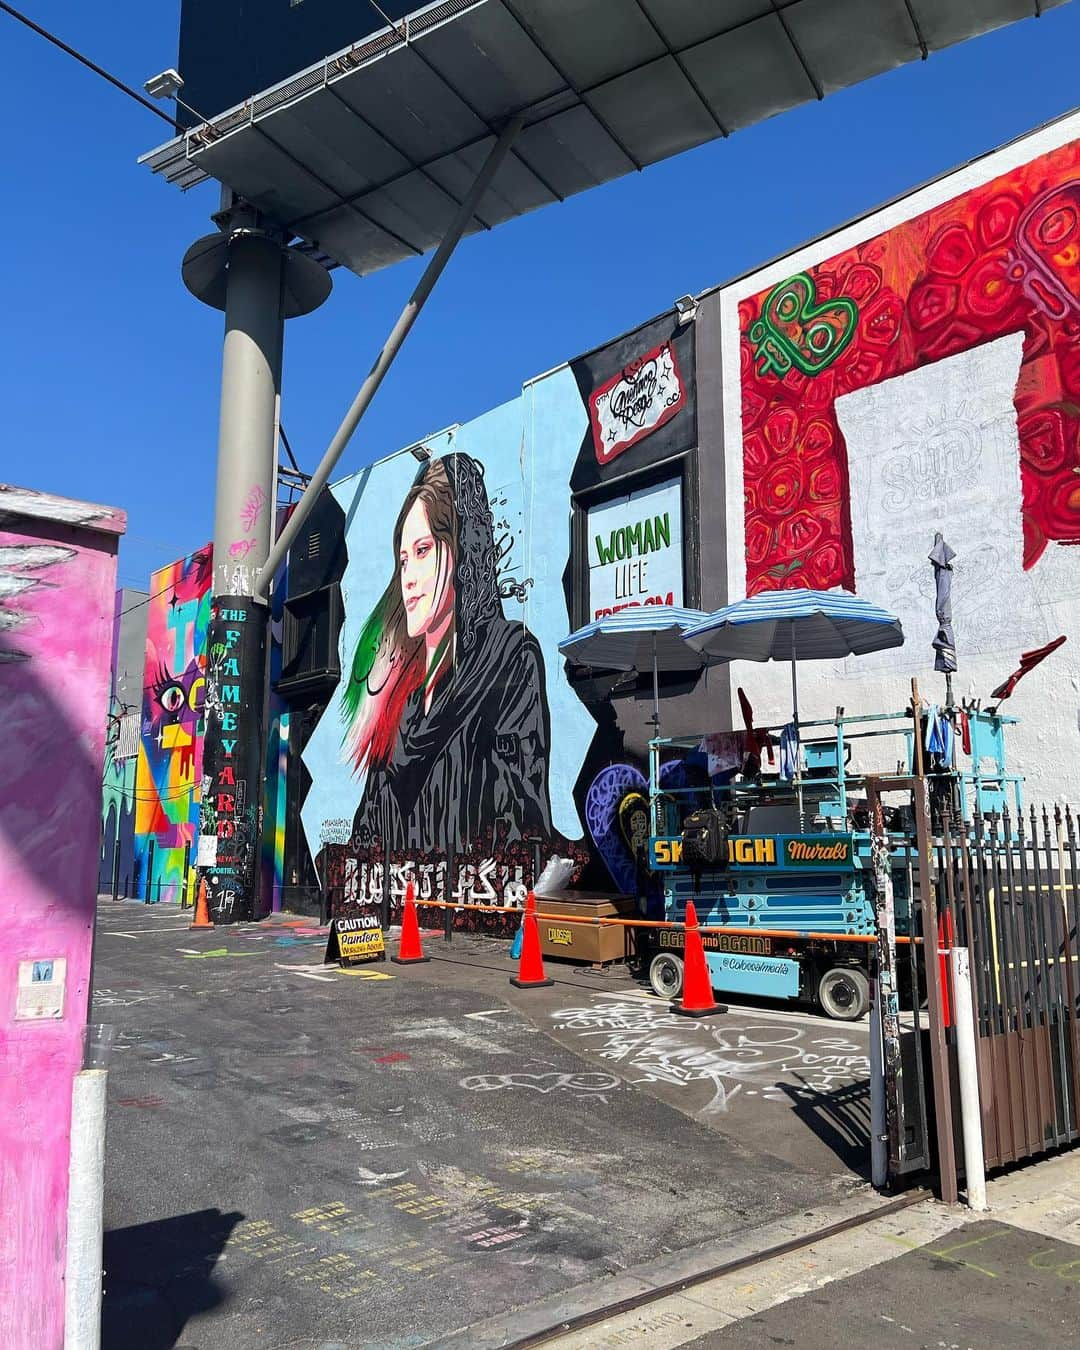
(247, 271)
(231, 812)
(247, 431)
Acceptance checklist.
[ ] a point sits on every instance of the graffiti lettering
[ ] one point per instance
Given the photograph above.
(252, 508)
(641, 398)
(485, 881)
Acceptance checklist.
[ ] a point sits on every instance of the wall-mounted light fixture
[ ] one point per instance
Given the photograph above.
(168, 85)
(420, 452)
(686, 309)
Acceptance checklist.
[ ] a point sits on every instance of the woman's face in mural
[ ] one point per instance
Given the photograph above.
(427, 586)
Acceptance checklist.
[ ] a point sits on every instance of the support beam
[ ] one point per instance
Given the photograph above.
(386, 357)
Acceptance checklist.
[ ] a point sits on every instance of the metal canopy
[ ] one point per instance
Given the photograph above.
(367, 155)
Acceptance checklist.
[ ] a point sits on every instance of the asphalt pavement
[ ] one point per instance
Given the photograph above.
(301, 1157)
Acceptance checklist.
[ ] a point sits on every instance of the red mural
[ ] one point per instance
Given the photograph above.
(1003, 258)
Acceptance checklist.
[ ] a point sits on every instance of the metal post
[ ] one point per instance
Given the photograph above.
(116, 861)
(655, 690)
(385, 359)
(879, 1138)
(243, 519)
(939, 1058)
(86, 1193)
(970, 1109)
(886, 1001)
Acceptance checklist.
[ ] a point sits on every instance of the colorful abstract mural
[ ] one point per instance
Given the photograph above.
(1002, 258)
(168, 774)
(275, 771)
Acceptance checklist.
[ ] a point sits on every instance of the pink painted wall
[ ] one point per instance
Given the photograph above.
(57, 579)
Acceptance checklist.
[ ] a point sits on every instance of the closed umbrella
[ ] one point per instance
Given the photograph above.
(641, 638)
(944, 643)
(795, 626)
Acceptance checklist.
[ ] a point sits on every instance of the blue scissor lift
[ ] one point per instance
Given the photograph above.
(794, 856)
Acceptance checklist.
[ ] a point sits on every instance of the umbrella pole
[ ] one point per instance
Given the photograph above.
(794, 678)
(655, 690)
(795, 719)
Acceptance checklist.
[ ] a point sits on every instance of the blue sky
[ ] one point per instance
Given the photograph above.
(110, 370)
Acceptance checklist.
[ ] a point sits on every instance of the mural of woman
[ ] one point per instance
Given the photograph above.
(445, 710)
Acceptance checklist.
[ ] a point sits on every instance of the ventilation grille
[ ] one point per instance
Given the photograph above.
(128, 743)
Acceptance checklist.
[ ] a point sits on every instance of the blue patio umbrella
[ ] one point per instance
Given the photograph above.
(795, 626)
(641, 638)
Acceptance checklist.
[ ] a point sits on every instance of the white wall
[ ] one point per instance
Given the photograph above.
(933, 449)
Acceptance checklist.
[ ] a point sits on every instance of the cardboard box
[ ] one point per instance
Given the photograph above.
(598, 943)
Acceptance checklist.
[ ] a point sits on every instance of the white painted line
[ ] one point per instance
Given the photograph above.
(490, 1012)
(307, 972)
(113, 932)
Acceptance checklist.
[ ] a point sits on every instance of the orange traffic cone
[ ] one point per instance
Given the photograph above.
(409, 949)
(202, 911)
(697, 996)
(531, 967)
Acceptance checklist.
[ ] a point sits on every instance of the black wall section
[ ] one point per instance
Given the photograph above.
(684, 446)
(676, 436)
(309, 675)
(233, 757)
(688, 446)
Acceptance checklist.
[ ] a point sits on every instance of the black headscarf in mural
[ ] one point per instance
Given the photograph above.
(477, 764)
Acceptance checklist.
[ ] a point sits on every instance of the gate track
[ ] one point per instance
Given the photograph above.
(635, 1301)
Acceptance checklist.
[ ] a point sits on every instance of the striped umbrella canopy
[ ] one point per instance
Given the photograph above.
(642, 638)
(795, 626)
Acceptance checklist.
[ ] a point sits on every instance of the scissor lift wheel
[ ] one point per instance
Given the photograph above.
(666, 975)
(844, 993)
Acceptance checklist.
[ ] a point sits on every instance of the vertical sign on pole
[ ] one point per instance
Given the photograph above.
(233, 756)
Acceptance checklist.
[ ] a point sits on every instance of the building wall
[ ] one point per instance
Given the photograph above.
(57, 582)
(168, 784)
(117, 867)
(917, 371)
(813, 425)
(591, 487)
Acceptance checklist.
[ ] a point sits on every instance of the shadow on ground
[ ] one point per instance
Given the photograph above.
(840, 1119)
(159, 1275)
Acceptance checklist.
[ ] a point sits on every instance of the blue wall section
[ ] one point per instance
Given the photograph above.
(527, 449)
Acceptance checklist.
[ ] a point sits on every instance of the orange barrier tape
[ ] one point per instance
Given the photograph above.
(606, 921)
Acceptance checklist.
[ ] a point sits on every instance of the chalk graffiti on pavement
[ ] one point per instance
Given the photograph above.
(730, 1056)
(583, 1085)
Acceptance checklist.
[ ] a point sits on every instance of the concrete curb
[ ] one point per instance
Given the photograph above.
(548, 1313)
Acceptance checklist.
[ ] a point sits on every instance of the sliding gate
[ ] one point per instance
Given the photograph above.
(1006, 888)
